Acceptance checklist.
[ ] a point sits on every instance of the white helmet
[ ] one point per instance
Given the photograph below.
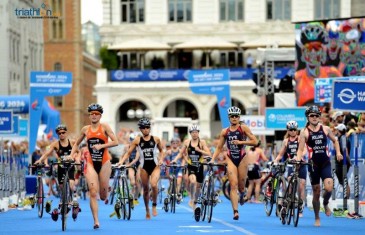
(194, 128)
(291, 125)
(234, 111)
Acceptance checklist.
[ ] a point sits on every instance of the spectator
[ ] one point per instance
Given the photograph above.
(338, 118)
(249, 61)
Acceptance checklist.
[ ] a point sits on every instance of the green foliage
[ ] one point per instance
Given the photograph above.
(109, 59)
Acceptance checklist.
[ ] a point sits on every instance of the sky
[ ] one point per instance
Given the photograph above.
(92, 10)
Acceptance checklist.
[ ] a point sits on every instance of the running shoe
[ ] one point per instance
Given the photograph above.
(48, 206)
(55, 214)
(197, 212)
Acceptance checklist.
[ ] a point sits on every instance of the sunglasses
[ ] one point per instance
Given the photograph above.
(94, 113)
(144, 127)
(292, 129)
(234, 116)
(61, 133)
(313, 115)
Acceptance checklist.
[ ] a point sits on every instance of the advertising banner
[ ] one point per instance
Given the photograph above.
(326, 49)
(276, 118)
(6, 121)
(348, 96)
(17, 103)
(213, 82)
(23, 127)
(44, 84)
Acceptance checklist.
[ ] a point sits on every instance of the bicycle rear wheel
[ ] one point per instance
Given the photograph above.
(226, 189)
(291, 199)
(40, 197)
(210, 197)
(295, 203)
(126, 200)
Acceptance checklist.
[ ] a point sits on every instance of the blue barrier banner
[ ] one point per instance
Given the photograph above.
(276, 118)
(44, 84)
(163, 75)
(348, 95)
(213, 82)
(17, 103)
(23, 127)
(6, 121)
(361, 144)
(15, 125)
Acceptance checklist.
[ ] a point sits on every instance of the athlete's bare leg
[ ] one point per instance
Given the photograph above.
(316, 204)
(145, 178)
(155, 177)
(93, 184)
(233, 182)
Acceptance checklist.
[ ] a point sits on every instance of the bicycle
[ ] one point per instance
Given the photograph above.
(124, 200)
(39, 189)
(292, 203)
(274, 191)
(207, 198)
(67, 193)
(82, 188)
(171, 196)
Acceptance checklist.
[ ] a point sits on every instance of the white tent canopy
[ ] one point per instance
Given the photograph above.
(206, 43)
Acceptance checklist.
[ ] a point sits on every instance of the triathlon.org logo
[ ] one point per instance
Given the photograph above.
(347, 96)
(44, 12)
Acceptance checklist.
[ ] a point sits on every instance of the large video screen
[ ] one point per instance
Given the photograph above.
(325, 49)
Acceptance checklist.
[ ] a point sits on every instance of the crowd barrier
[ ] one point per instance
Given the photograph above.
(13, 169)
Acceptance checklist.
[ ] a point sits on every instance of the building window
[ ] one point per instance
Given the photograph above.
(57, 24)
(58, 100)
(231, 59)
(327, 9)
(132, 11)
(231, 10)
(180, 10)
(278, 9)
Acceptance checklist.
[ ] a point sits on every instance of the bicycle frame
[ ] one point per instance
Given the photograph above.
(172, 190)
(39, 189)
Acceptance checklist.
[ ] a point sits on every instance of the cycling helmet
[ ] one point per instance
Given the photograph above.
(291, 125)
(312, 109)
(234, 111)
(61, 127)
(144, 122)
(95, 107)
(175, 140)
(194, 128)
(314, 32)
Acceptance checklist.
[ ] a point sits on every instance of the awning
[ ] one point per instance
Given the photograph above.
(142, 44)
(264, 41)
(206, 43)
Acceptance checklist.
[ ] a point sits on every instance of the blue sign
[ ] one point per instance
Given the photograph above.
(163, 75)
(15, 124)
(276, 118)
(6, 121)
(17, 103)
(23, 127)
(44, 84)
(348, 95)
(213, 82)
(323, 88)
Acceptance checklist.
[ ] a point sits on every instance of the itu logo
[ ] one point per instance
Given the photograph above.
(347, 96)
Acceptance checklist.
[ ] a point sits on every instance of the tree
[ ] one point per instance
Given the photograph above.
(109, 59)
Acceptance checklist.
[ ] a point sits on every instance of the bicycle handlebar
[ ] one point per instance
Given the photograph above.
(119, 167)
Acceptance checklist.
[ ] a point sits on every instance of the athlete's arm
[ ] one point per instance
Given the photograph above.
(111, 135)
(159, 146)
(81, 137)
(204, 150)
(132, 146)
(136, 159)
(181, 152)
(253, 140)
(47, 153)
(219, 147)
(335, 142)
(282, 151)
(302, 140)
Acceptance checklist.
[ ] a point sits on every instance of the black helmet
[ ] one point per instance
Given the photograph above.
(144, 122)
(61, 127)
(312, 109)
(95, 107)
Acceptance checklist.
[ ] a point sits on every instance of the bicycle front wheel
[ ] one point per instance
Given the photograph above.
(66, 198)
(40, 197)
(173, 196)
(210, 197)
(126, 199)
(295, 203)
(279, 194)
(269, 199)
(204, 200)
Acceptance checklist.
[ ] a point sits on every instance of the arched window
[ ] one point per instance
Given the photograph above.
(57, 66)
